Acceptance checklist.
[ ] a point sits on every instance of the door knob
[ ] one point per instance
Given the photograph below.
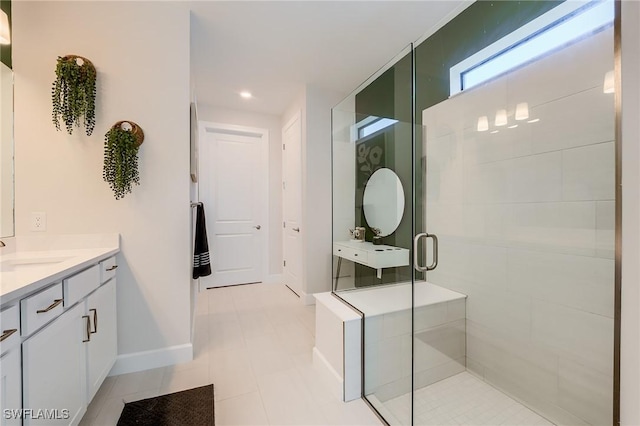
(258, 227)
(296, 229)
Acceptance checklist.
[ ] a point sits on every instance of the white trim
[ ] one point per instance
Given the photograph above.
(146, 360)
(328, 375)
(214, 127)
(296, 116)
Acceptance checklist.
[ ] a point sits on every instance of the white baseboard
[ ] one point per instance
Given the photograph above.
(328, 375)
(139, 361)
(274, 279)
(308, 299)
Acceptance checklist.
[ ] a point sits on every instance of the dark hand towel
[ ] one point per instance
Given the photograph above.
(201, 262)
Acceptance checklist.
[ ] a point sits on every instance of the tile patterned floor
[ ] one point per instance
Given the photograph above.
(254, 344)
(462, 399)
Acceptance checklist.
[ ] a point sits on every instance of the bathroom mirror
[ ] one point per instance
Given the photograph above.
(6, 151)
(383, 201)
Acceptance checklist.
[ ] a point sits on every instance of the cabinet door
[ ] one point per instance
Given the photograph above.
(10, 388)
(53, 373)
(103, 347)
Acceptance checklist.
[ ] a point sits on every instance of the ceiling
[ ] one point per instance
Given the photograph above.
(274, 48)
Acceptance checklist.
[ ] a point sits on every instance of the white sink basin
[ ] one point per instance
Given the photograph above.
(13, 265)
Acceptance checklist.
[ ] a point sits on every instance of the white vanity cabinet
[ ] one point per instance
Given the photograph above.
(63, 346)
(52, 369)
(10, 370)
(103, 345)
(10, 387)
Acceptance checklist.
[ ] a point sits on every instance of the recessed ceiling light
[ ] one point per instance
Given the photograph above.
(535, 120)
(246, 94)
(494, 132)
(512, 127)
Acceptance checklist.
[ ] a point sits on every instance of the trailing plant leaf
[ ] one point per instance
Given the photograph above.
(74, 94)
(120, 161)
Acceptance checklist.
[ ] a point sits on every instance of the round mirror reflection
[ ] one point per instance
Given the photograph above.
(383, 201)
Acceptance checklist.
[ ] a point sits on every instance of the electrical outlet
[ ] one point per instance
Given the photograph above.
(38, 221)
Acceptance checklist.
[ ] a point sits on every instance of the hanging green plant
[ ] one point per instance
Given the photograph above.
(74, 93)
(121, 144)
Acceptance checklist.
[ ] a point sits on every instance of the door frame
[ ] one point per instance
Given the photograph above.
(297, 116)
(205, 127)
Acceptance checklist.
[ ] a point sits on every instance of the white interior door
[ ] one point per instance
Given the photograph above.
(233, 188)
(292, 200)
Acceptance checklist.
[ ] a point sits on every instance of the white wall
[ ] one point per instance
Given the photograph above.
(272, 124)
(344, 181)
(316, 194)
(314, 105)
(630, 344)
(141, 52)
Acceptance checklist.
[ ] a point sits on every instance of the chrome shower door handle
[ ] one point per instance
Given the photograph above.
(434, 265)
(416, 242)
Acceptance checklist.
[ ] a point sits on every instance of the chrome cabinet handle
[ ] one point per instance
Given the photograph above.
(416, 263)
(258, 227)
(55, 303)
(112, 268)
(7, 333)
(88, 330)
(296, 229)
(95, 320)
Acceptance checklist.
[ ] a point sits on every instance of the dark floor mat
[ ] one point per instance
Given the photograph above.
(193, 407)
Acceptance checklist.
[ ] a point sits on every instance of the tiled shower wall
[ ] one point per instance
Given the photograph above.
(525, 219)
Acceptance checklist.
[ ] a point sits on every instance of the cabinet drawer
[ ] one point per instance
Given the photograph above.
(81, 284)
(9, 328)
(108, 269)
(359, 256)
(39, 309)
(339, 250)
(356, 255)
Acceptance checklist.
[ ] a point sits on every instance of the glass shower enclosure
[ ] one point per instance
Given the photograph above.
(474, 217)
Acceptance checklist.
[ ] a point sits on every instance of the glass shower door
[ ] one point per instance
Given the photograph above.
(373, 227)
(515, 322)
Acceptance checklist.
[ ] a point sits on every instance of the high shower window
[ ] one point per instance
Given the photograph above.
(563, 25)
(372, 125)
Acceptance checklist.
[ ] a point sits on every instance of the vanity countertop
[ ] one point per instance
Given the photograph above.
(25, 271)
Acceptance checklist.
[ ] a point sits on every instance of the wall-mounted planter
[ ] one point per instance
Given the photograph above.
(121, 144)
(74, 93)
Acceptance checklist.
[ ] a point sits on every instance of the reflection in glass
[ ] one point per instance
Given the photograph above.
(383, 201)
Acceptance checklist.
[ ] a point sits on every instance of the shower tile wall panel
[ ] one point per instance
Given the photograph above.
(525, 219)
(605, 229)
(439, 345)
